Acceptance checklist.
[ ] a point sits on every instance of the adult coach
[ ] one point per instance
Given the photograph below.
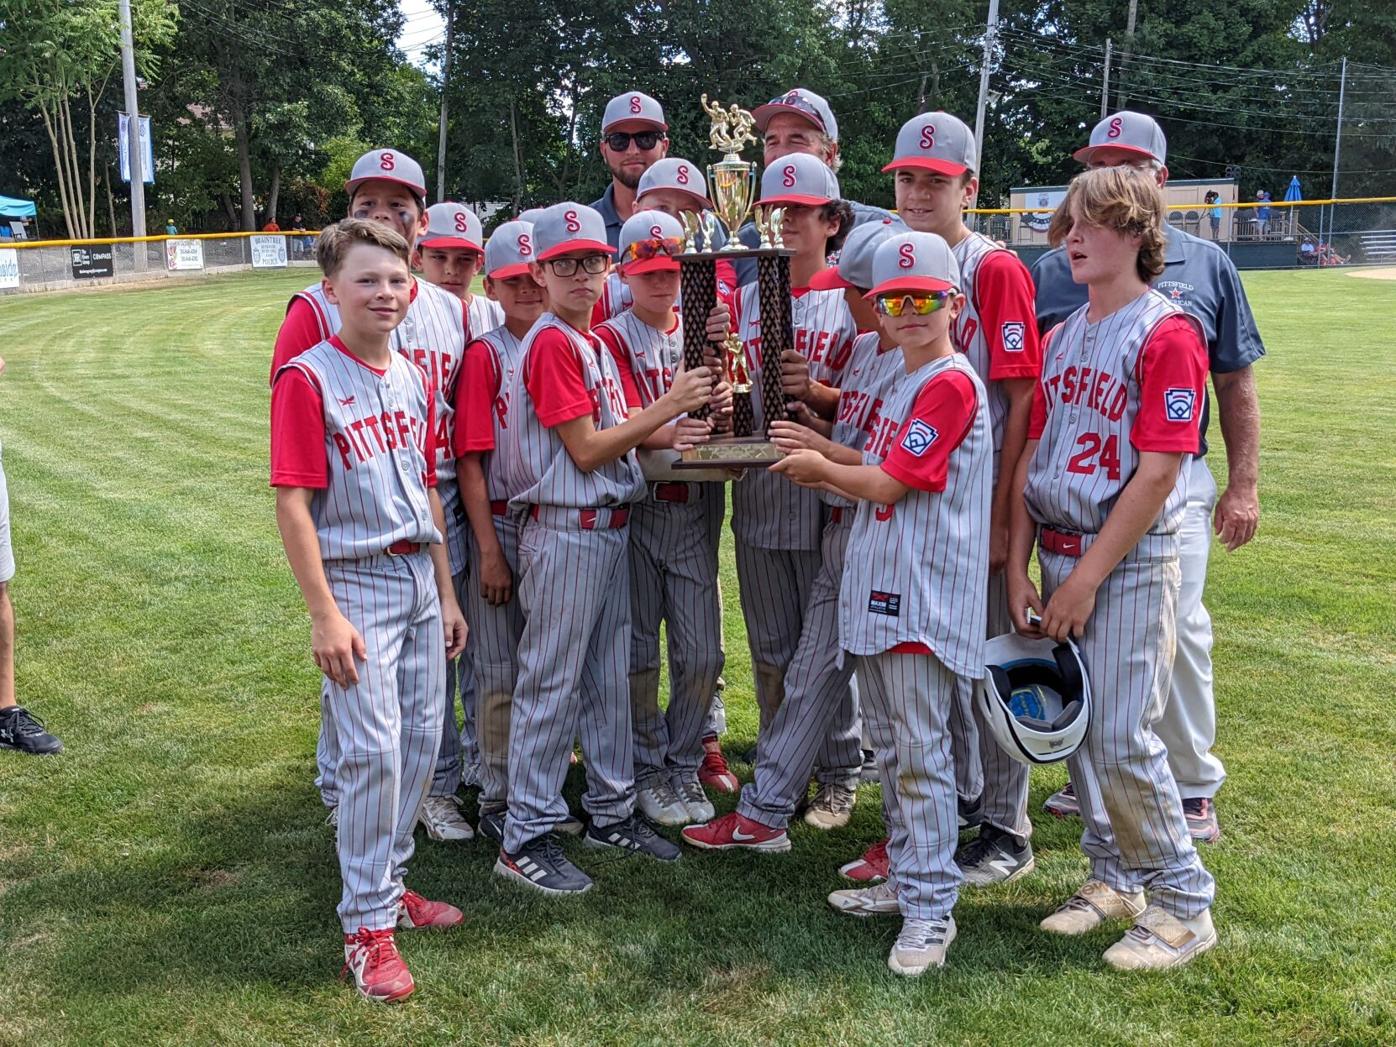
(18, 729)
(633, 136)
(1200, 277)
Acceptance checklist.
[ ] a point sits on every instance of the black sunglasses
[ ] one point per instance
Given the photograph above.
(619, 141)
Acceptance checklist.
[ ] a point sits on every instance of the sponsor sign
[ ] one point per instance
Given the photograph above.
(268, 252)
(184, 254)
(89, 263)
(9, 267)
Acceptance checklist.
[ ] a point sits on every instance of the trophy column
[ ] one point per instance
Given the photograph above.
(777, 330)
(698, 292)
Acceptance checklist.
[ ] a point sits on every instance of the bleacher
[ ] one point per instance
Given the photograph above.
(1378, 246)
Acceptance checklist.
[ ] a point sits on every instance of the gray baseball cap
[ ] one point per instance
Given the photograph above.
(567, 227)
(799, 178)
(855, 268)
(683, 176)
(388, 165)
(913, 262)
(651, 229)
(936, 142)
(509, 250)
(1129, 132)
(633, 106)
(802, 102)
(452, 225)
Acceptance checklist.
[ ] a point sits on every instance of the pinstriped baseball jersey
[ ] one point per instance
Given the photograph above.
(968, 332)
(431, 335)
(1091, 388)
(537, 468)
(918, 571)
(867, 383)
(481, 315)
(507, 352)
(768, 511)
(655, 356)
(376, 442)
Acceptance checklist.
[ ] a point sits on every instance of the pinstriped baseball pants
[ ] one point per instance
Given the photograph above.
(388, 726)
(458, 739)
(673, 578)
(908, 698)
(818, 718)
(1135, 833)
(493, 648)
(574, 593)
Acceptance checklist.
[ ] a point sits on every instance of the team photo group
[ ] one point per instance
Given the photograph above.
(978, 543)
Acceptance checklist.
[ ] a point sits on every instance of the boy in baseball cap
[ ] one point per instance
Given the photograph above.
(570, 469)
(1125, 138)
(673, 562)
(387, 187)
(934, 166)
(912, 602)
(449, 255)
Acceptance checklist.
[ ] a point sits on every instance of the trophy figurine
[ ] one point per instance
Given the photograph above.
(732, 184)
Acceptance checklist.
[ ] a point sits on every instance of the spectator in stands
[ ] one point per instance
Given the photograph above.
(1308, 251)
(299, 244)
(271, 226)
(1262, 213)
(18, 729)
(170, 228)
(1214, 212)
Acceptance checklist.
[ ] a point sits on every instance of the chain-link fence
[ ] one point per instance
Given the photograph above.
(50, 265)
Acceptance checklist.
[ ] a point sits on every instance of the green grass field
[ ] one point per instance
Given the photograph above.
(170, 878)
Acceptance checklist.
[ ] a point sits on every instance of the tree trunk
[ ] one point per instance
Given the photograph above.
(229, 209)
(79, 198)
(518, 164)
(274, 192)
(244, 148)
(111, 200)
(58, 170)
(91, 162)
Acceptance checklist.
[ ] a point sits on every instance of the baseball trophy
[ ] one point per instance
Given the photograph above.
(732, 183)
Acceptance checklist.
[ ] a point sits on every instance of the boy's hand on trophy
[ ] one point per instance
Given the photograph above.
(719, 323)
(794, 375)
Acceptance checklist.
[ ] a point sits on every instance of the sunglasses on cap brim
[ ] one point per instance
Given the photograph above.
(644, 250)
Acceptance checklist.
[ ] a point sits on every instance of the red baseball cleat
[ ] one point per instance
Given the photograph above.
(415, 912)
(714, 772)
(733, 831)
(379, 973)
(870, 868)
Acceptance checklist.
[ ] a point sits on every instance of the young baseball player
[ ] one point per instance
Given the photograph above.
(353, 461)
(934, 176)
(387, 187)
(817, 680)
(673, 563)
(1115, 420)
(570, 466)
(915, 583)
(449, 255)
(778, 526)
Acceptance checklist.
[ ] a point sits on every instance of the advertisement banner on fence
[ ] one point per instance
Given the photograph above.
(89, 263)
(184, 254)
(9, 267)
(268, 252)
(123, 149)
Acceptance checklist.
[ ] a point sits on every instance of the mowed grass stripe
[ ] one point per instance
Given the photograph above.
(169, 879)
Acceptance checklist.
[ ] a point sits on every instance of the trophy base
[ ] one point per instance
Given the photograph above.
(731, 452)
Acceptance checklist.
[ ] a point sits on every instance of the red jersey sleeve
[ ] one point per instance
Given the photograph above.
(554, 379)
(299, 331)
(429, 476)
(1037, 418)
(477, 394)
(612, 343)
(940, 420)
(1004, 298)
(298, 433)
(1172, 373)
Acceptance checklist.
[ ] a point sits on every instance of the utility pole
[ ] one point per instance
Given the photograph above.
(1337, 152)
(1105, 83)
(133, 133)
(990, 39)
(1129, 50)
(445, 90)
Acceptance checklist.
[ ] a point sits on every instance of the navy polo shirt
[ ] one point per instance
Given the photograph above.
(1197, 275)
(607, 208)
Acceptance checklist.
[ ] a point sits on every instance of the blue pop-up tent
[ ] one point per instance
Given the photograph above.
(12, 207)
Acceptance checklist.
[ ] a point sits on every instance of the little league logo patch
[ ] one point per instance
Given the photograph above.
(1179, 404)
(919, 437)
(1013, 337)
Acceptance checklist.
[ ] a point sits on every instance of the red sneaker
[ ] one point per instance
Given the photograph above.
(870, 868)
(415, 912)
(714, 772)
(379, 973)
(733, 831)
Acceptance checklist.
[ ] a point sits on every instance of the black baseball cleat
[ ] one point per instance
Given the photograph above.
(994, 856)
(25, 732)
(633, 834)
(491, 826)
(540, 864)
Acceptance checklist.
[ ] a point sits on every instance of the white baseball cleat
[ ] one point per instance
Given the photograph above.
(660, 804)
(695, 800)
(1159, 940)
(878, 900)
(920, 945)
(1091, 906)
(441, 817)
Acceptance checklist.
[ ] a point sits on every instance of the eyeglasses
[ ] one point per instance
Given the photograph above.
(619, 141)
(592, 265)
(921, 304)
(644, 250)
